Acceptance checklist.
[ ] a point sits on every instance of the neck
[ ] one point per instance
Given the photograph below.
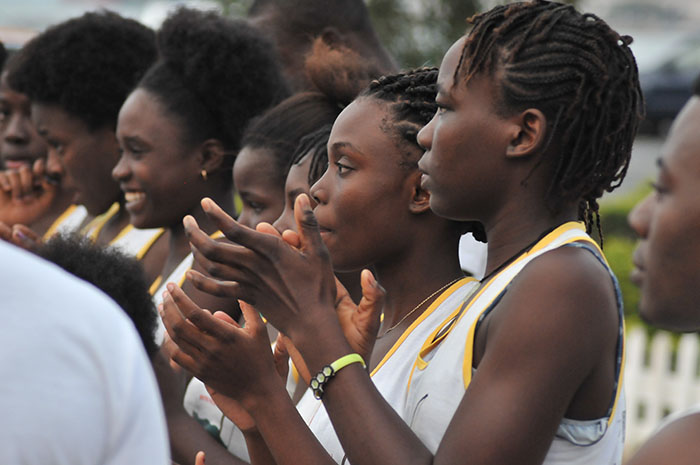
(517, 229)
(410, 279)
(179, 245)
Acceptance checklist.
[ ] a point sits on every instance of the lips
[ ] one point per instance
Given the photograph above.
(134, 200)
(17, 163)
(637, 274)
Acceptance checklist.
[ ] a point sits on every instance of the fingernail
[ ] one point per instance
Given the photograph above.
(20, 235)
(304, 202)
(170, 287)
(206, 204)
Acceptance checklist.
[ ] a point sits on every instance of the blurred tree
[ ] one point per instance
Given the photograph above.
(418, 32)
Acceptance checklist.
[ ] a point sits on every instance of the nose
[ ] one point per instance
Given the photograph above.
(121, 170)
(285, 220)
(425, 135)
(319, 191)
(54, 167)
(16, 131)
(640, 216)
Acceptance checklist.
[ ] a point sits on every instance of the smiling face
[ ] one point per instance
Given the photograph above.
(465, 145)
(82, 158)
(257, 180)
(20, 144)
(667, 259)
(364, 196)
(158, 173)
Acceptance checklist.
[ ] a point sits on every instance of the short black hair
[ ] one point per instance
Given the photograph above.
(215, 74)
(118, 275)
(581, 74)
(87, 66)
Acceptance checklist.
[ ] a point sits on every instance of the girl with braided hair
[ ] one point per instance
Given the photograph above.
(373, 214)
(538, 108)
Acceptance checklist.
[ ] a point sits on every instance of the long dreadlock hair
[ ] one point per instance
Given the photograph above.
(411, 99)
(581, 74)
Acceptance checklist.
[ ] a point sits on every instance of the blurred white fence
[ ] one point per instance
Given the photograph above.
(662, 376)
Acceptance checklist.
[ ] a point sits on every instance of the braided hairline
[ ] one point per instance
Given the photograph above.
(411, 98)
(576, 70)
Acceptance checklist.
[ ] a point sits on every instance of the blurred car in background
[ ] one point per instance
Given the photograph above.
(668, 84)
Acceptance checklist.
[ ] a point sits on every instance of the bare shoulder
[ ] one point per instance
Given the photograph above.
(562, 302)
(677, 443)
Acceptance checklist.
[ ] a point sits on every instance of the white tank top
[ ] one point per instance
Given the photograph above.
(391, 374)
(443, 370)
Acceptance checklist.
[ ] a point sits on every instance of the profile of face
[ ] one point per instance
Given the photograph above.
(260, 185)
(78, 155)
(364, 198)
(461, 165)
(20, 143)
(667, 258)
(158, 173)
(297, 183)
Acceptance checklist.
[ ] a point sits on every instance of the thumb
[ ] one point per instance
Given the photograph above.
(307, 225)
(373, 295)
(199, 458)
(253, 322)
(281, 357)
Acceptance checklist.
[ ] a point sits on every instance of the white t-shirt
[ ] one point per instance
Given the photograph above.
(77, 387)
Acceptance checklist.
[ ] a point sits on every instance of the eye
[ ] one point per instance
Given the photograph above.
(659, 189)
(342, 169)
(257, 207)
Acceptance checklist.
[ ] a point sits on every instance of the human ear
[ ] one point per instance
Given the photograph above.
(528, 133)
(211, 155)
(420, 198)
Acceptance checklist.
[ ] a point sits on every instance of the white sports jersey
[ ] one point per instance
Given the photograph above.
(68, 222)
(443, 371)
(177, 276)
(136, 242)
(391, 374)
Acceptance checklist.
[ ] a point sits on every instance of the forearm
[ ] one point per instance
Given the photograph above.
(369, 429)
(258, 451)
(187, 437)
(288, 438)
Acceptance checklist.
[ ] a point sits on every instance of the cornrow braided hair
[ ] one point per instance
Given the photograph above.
(411, 98)
(581, 74)
(316, 146)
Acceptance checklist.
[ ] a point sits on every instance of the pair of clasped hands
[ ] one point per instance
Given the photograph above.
(26, 194)
(288, 279)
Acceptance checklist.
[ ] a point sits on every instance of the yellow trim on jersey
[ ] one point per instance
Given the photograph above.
(547, 240)
(93, 228)
(58, 221)
(122, 233)
(432, 342)
(155, 285)
(147, 246)
(435, 304)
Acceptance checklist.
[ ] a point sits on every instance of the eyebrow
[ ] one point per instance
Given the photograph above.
(295, 192)
(346, 145)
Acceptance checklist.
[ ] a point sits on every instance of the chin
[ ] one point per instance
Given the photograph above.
(670, 317)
